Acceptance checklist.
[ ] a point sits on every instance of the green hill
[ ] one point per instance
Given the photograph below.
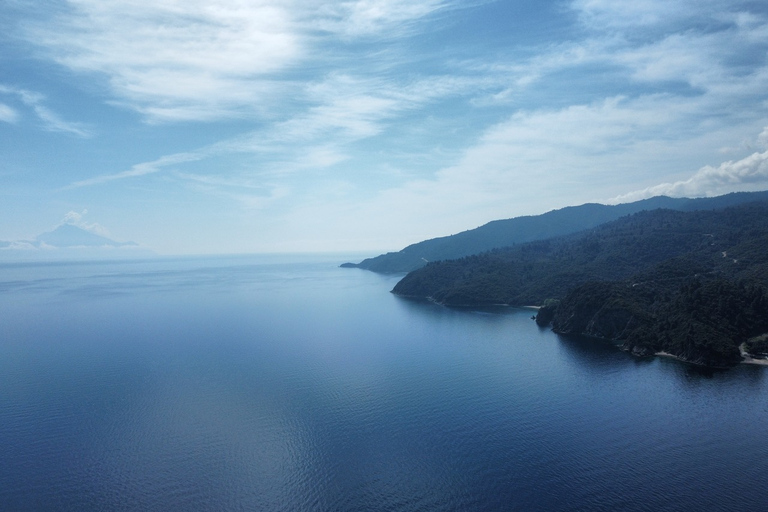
(688, 283)
(503, 233)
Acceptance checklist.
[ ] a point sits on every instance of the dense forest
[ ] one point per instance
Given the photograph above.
(691, 284)
(502, 233)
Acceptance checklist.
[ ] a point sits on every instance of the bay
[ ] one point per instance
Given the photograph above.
(287, 383)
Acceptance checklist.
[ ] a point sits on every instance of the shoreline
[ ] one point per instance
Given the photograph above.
(752, 360)
(661, 353)
(746, 359)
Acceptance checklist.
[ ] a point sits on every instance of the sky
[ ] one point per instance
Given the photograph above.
(234, 126)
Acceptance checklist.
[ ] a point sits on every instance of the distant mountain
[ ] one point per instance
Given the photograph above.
(69, 242)
(691, 284)
(69, 235)
(508, 232)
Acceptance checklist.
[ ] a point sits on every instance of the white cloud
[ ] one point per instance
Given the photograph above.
(701, 57)
(73, 217)
(51, 121)
(320, 157)
(354, 117)
(207, 59)
(21, 246)
(645, 14)
(536, 161)
(7, 114)
(56, 124)
(140, 169)
(175, 59)
(77, 219)
(247, 191)
(361, 18)
(750, 173)
(762, 139)
(642, 93)
(349, 108)
(526, 73)
(531, 162)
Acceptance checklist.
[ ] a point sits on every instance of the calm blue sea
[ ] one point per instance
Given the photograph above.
(287, 383)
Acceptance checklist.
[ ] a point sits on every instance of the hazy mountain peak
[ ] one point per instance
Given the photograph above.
(69, 241)
(69, 235)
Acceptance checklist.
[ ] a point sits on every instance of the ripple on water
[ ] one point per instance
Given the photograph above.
(210, 387)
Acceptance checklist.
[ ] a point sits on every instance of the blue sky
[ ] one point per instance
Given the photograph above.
(231, 126)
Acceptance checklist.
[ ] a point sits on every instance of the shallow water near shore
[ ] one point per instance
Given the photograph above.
(287, 383)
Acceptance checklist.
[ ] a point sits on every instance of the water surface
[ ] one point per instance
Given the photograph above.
(275, 383)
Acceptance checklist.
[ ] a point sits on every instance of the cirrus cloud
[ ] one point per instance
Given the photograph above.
(35, 102)
(193, 60)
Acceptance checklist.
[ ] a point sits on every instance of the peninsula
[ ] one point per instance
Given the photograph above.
(691, 284)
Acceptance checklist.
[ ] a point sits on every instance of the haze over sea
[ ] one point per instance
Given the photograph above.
(287, 383)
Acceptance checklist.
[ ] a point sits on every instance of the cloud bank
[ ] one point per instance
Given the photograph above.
(750, 173)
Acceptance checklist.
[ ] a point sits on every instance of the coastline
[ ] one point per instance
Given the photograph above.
(746, 359)
(752, 360)
(671, 356)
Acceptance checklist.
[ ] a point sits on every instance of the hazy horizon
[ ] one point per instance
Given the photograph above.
(229, 127)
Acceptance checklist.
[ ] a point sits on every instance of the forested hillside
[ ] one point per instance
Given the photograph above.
(503, 233)
(688, 283)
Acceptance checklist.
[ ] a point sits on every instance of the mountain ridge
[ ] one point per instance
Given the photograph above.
(688, 284)
(506, 232)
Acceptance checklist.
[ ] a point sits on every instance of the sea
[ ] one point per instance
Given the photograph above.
(286, 383)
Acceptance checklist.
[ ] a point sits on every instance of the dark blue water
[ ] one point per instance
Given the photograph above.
(289, 384)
